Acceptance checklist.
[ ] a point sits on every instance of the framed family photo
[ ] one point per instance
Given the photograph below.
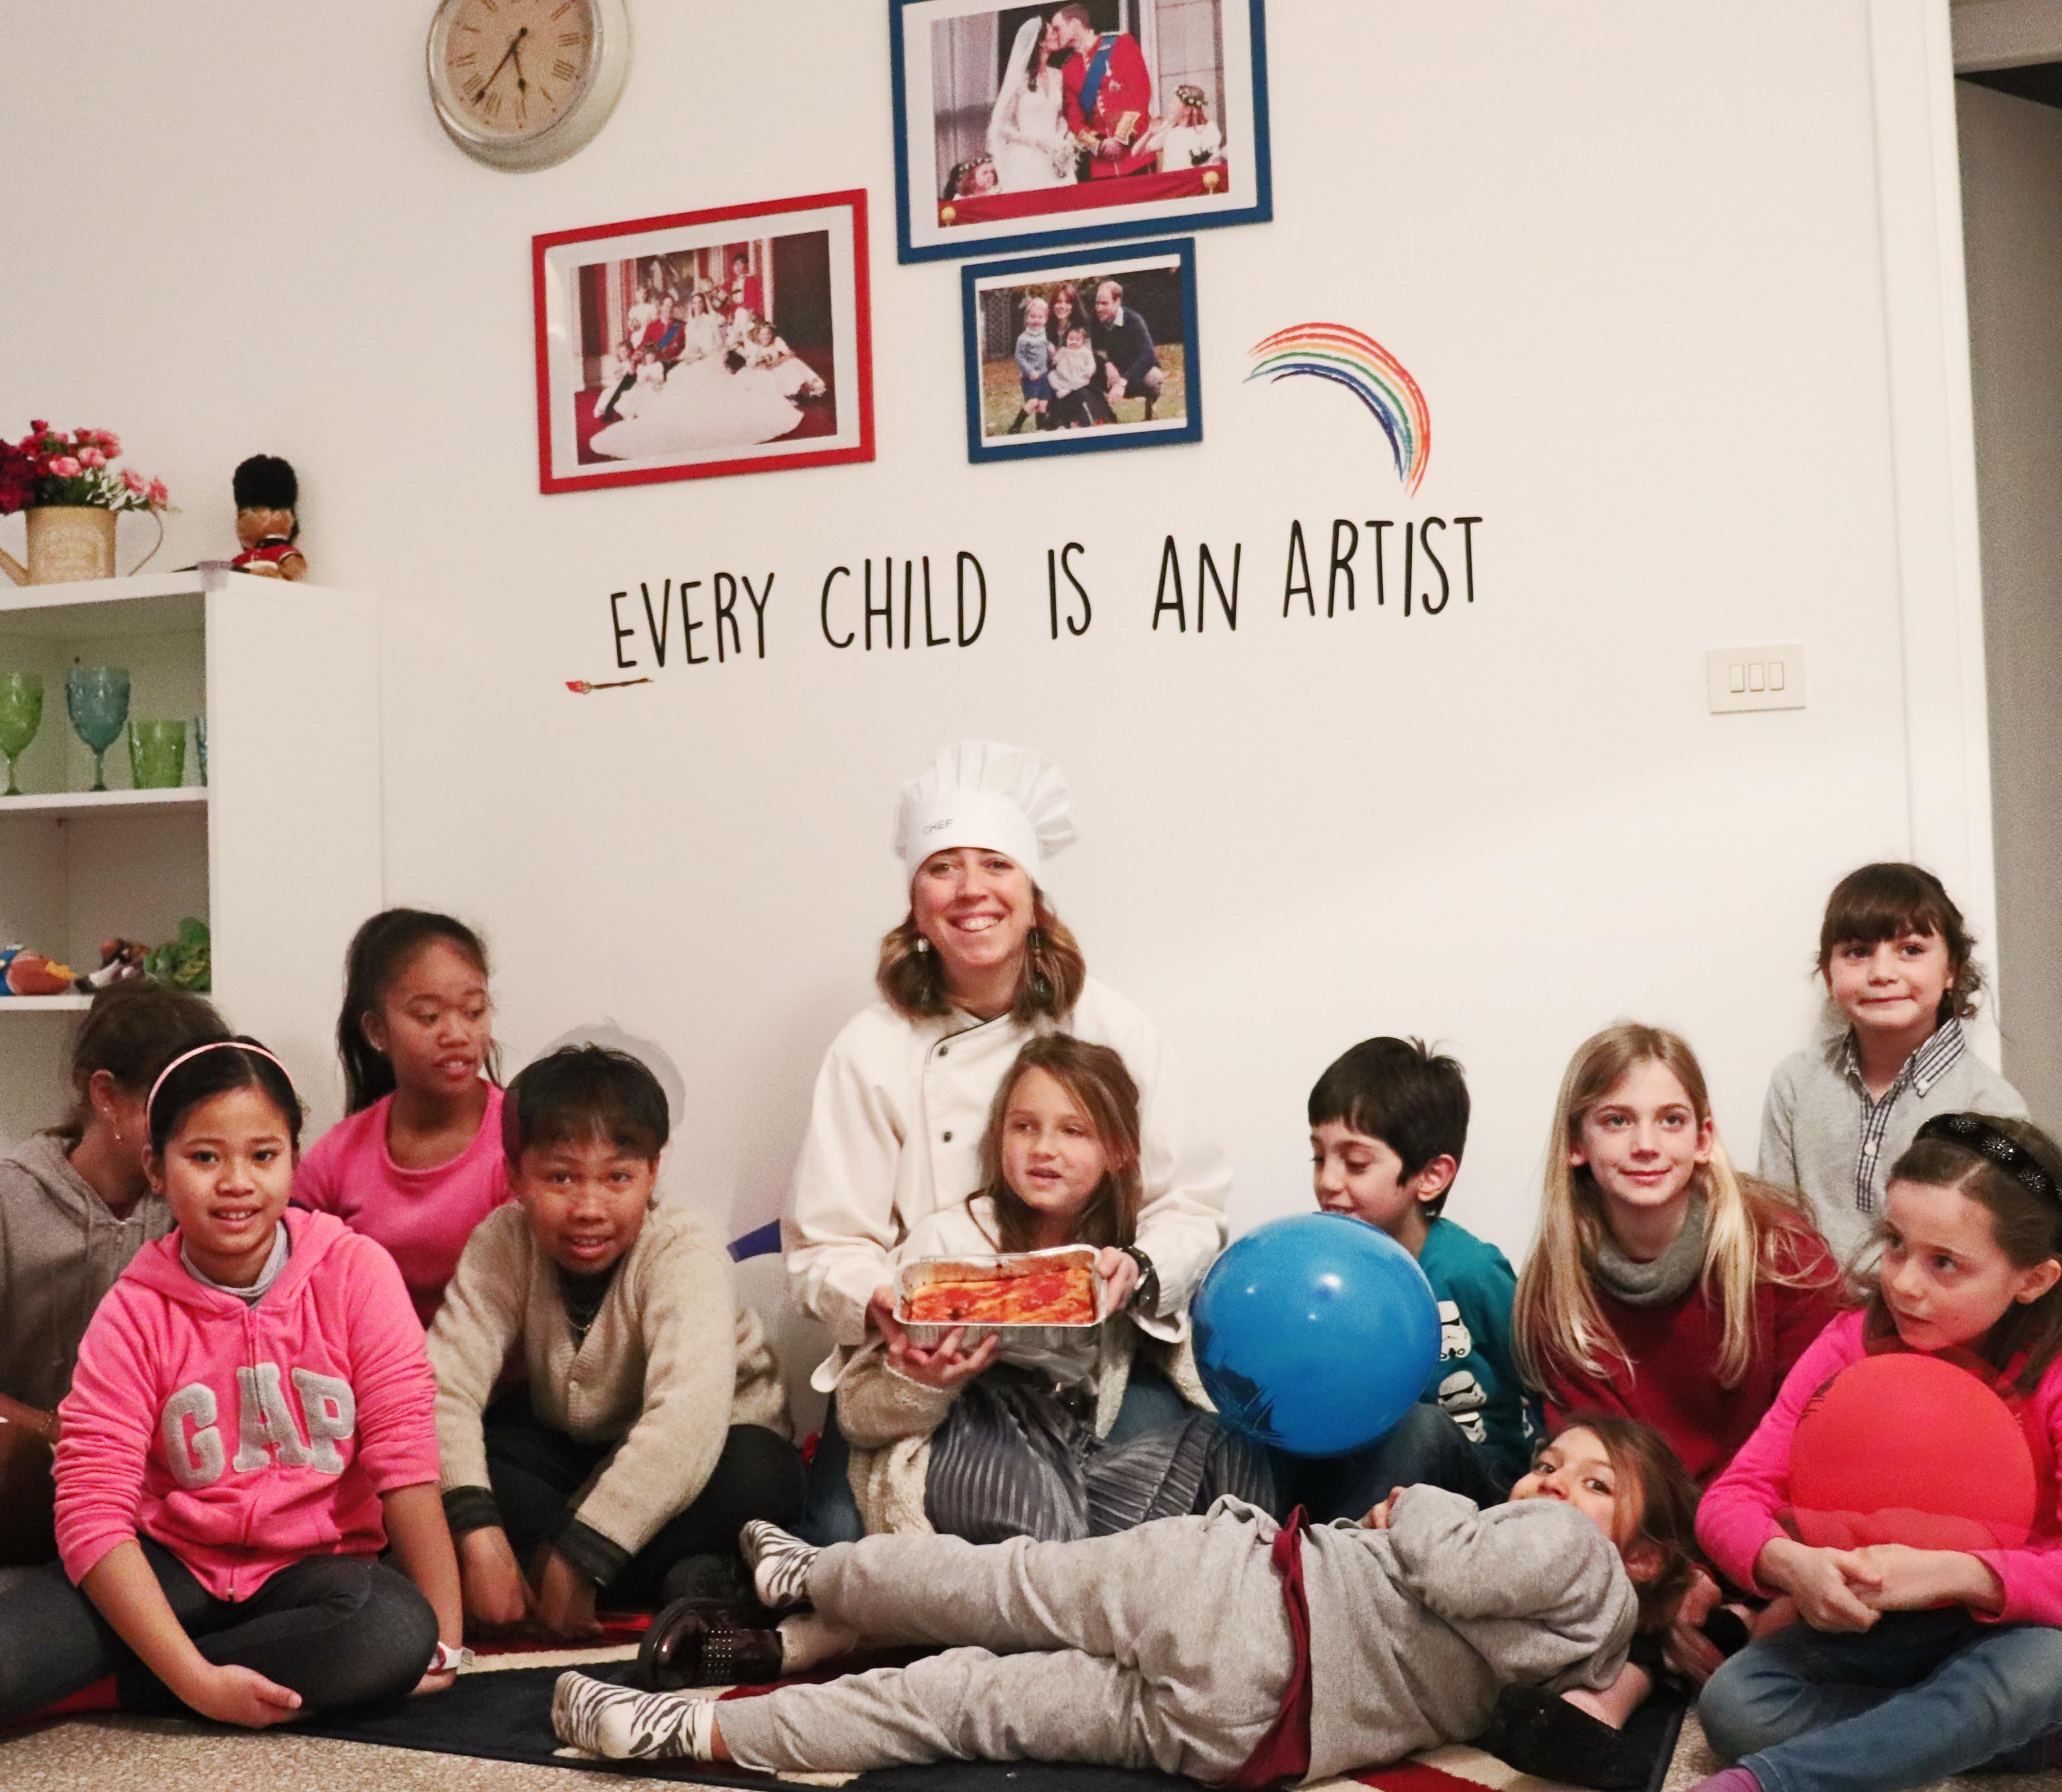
(1073, 353)
(1075, 121)
(734, 340)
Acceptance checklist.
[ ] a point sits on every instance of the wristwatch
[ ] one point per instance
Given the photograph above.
(1147, 1293)
(450, 1657)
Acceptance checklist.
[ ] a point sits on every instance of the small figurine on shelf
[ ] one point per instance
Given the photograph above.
(23, 972)
(266, 493)
(121, 961)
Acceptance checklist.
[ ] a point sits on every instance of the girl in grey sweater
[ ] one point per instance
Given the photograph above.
(74, 1207)
(1224, 1647)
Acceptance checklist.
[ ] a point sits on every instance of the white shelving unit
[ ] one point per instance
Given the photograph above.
(93, 802)
(279, 852)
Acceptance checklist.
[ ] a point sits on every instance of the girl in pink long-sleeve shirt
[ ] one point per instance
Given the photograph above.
(252, 1421)
(1911, 1663)
(416, 1162)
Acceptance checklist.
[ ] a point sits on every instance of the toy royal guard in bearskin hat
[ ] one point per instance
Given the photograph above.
(266, 493)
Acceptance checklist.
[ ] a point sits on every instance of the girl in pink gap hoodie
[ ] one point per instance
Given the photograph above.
(1911, 1663)
(252, 1422)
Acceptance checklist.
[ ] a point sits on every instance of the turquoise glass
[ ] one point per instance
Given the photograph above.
(98, 697)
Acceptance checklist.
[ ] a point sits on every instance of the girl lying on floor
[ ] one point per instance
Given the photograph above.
(1222, 1647)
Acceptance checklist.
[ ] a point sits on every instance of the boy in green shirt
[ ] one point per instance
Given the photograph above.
(1389, 1121)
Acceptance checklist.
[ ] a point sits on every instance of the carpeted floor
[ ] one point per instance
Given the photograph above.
(146, 1754)
(1694, 1760)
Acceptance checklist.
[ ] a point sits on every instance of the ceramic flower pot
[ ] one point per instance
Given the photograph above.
(68, 542)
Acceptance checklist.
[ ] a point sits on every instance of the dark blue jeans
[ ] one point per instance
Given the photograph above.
(1425, 1447)
(340, 1630)
(1920, 1696)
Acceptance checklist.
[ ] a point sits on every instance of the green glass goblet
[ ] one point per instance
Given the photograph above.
(98, 697)
(157, 754)
(20, 715)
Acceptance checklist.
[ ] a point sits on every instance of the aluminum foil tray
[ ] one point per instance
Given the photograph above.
(924, 1272)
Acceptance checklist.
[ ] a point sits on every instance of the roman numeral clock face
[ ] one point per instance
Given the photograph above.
(521, 84)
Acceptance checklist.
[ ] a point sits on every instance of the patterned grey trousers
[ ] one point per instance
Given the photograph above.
(1017, 1457)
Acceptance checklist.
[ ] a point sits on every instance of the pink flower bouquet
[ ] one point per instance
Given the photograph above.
(48, 467)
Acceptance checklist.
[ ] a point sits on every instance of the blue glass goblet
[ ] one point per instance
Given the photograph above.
(98, 697)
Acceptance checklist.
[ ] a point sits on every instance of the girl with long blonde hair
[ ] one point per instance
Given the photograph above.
(1663, 1284)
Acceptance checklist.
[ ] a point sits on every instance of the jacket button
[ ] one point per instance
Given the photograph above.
(944, 1051)
(948, 1138)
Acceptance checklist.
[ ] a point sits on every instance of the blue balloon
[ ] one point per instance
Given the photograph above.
(1315, 1334)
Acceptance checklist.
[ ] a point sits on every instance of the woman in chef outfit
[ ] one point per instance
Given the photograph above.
(978, 965)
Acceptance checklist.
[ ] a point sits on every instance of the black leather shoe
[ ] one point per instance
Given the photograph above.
(688, 1645)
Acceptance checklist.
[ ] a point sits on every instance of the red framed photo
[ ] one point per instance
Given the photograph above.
(733, 340)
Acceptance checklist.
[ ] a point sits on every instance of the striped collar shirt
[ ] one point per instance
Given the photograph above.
(1922, 1070)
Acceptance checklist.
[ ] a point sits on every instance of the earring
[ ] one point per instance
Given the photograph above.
(923, 944)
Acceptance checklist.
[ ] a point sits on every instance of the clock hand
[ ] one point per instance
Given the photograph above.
(479, 91)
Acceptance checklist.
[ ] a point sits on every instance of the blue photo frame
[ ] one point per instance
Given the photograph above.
(952, 63)
(1157, 283)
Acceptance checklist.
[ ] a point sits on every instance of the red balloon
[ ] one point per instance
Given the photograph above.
(1907, 1449)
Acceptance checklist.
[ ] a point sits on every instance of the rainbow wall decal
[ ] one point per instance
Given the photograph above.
(1345, 356)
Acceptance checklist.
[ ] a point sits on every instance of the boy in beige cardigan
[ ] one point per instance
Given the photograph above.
(652, 1425)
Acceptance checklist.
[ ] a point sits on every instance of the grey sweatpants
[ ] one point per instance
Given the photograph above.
(1167, 1646)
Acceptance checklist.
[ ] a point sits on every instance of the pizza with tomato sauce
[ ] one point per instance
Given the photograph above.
(1061, 1297)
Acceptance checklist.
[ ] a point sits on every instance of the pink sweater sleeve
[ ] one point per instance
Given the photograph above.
(316, 1179)
(107, 1421)
(2032, 1576)
(397, 1399)
(1740, 1511)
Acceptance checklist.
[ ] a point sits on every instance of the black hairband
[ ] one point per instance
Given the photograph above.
(1975, 1133)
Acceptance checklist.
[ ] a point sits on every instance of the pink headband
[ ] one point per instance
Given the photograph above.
(150, 1100)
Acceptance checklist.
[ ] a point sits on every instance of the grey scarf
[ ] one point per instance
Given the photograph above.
(1668, 1278)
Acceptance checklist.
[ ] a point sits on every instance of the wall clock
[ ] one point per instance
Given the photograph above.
(522, 84)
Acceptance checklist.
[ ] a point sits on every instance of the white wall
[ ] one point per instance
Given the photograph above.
(1631, 253)
(2012, 209)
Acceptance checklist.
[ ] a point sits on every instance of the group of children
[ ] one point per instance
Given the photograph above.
(253, 1417)
(256, 1463)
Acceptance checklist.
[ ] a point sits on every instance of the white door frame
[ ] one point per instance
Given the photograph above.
(1940, 597)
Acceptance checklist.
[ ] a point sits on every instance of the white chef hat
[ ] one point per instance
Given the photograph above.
(983, 793)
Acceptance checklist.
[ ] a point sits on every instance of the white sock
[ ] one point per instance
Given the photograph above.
(807, 1640)
(780, 1564)
(622, 1724)
(657, 1726)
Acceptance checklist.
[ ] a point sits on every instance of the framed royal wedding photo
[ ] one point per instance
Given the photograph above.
(1079, 351)
(1077, 121)
(734, 340)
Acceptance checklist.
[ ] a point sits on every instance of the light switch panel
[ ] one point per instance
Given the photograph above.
(1755, 678)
